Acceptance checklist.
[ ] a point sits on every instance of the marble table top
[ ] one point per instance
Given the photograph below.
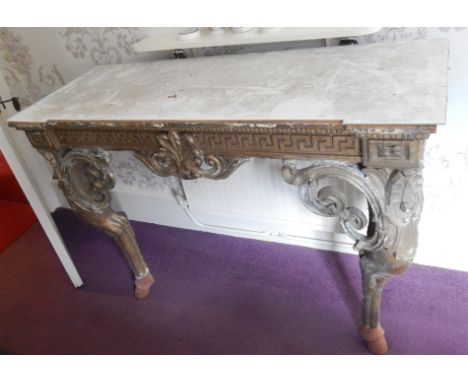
(382, 83)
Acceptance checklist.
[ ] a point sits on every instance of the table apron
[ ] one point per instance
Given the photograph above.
(369, 147)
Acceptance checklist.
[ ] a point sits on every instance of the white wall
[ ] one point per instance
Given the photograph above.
(266, 205)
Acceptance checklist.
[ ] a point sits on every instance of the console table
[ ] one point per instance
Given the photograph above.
(361, 113)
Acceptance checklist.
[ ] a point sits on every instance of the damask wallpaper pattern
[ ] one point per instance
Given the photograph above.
(32, 73)
(133, 174)
(32, 76)
(102, 45)
(25, 77)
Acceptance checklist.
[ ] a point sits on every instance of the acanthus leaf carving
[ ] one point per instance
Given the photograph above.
(178, 155)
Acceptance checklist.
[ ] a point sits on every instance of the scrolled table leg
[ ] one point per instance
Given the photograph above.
(377, 266)
(395, 202)
(86, 180)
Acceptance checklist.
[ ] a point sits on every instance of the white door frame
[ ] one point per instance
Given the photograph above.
(36, 200)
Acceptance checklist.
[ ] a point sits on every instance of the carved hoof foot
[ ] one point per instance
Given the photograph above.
(375, 339)
(143, 286)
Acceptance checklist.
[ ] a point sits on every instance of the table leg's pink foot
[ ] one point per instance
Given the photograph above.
(375, 339)
(143, 286)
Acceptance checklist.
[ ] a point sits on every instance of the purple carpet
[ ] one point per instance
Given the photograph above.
(214, 294)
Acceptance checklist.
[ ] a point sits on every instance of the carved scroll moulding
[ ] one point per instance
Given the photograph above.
(394, 197)
(331, 202)
(86, 178)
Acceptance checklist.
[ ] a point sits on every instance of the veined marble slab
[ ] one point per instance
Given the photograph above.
(384, 83)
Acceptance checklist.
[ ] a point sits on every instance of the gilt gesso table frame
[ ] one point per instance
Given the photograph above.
(383, 162)
(360, 114)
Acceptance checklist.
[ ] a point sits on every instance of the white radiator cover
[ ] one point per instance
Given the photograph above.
(257, 197)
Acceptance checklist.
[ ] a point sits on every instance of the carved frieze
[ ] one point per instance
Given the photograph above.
(106, 138)
(220, 141)
(241, 141)
(273, 144)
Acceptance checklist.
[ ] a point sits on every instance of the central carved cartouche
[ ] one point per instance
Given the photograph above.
(178, 155)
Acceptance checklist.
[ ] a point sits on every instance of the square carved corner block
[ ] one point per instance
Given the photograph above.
(392, 153)
(361, 113)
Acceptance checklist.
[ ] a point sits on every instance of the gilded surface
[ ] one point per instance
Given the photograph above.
(86, 179)
(272, 143)
(395, 201)
(217, 143)
(384, 164)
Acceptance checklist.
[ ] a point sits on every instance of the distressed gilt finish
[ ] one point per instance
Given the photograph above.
(361, 114)
(382, 161)
(388, 248)
(86, 179)
(179, 155)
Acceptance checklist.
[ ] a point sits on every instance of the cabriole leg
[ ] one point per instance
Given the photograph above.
(395, 201)
(86, 180)
(376, 267)
(371, 330)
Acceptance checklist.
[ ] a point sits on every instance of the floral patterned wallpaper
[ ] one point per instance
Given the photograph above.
(132, 173)
(102, 45)
(32, 73)
(25, 77)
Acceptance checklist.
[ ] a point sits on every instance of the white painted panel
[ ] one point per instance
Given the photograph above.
(255, 197)
(21, 169)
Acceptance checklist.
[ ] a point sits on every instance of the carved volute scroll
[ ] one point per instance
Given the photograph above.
(394, 198)
(178, 155)
(84, 176)
(331, 202)
(86, 179)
